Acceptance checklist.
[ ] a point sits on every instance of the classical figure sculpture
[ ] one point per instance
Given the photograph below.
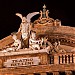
(42, 43)
(15, 46)
(17, 42)
(56, 46)
(25, 26)
(33, 43)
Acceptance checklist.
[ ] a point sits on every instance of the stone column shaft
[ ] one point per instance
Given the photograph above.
(63, 59)
(56, 59)
(74, 58)
(70, 58)
(60, 59)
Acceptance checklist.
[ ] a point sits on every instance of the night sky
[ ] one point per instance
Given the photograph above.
(63, 10)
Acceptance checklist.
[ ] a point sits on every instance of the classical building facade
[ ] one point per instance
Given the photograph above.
(44, 47)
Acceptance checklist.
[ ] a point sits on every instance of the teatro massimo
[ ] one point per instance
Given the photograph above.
(42, 47)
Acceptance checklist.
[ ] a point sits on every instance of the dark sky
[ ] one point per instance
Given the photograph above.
(9, 22)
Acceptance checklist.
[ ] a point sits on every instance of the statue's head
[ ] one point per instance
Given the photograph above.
(14, 35)
(33, 34)
(24, 20)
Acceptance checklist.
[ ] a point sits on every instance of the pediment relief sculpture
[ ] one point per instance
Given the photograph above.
(15, 46)
(38, 44)
(25, 27)
(25, 24)
(56, 48)
(28, 38)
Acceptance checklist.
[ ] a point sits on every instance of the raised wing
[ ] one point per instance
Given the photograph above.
(20, 15)
(30, 15)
